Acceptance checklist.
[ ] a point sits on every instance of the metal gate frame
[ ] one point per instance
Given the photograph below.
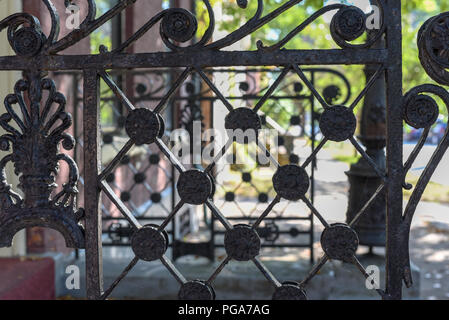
(35, 144)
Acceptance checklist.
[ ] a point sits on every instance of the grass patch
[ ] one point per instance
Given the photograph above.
(435, 192)
(343, 152)
(347, 159)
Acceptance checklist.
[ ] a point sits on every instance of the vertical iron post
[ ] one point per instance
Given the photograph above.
(92, 166)
(394, 243)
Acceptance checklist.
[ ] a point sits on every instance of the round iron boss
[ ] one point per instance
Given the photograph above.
(195, 187)
(421, 111)
(289, 291)
(179, 25)
(291, 182)
(349, 23)
(148, 243)
(27, 41)
(246, 120)
(143, 126)
(242, 243)
(196, 290)
(339, 242)
(338, 123)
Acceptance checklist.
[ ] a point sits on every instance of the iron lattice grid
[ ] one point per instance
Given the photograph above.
(280, 229)
(38, 208)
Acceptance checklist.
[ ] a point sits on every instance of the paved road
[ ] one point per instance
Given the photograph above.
(441, 174)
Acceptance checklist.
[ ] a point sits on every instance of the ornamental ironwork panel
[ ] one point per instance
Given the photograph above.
(133, 174)
(34, 141)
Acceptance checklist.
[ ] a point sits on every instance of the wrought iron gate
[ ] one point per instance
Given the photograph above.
(39, 130)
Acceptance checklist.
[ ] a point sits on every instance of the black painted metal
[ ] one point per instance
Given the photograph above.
(37, 53)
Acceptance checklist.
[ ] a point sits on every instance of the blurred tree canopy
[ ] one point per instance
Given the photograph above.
(101, 36)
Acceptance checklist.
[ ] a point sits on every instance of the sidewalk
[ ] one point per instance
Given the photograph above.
(429, 239)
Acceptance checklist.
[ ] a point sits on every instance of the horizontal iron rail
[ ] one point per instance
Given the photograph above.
(229, 218)
(263, 245)
(201, 59)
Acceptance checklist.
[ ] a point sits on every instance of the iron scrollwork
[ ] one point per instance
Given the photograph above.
(421, 110)
(432, 45)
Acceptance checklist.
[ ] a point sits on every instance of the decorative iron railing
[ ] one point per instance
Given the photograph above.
(35, 145)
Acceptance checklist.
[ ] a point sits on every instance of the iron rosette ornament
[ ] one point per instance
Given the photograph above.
(27, 39)
(33, 137)
(433, 47)
(348, 24)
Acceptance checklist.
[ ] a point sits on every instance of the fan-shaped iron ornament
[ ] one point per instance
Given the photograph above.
(34, 136)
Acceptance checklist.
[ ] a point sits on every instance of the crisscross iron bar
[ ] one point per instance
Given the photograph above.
(219, 215)
(368, 86)
(309, 85)
(214, 89)
(368, 158)
(315, 211)
(273, 87)
(171, 215)
(120, 205)
(114, 162)
(219, 269)
(366, 275)
(266, 212)
(172, 90)
(116, 282)
(315, 269)
(166, 151)
(173, 270)
(367, 205)
(314, 153)
(270, 277)
(267, 153)
(221, 153)
(117, 91)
